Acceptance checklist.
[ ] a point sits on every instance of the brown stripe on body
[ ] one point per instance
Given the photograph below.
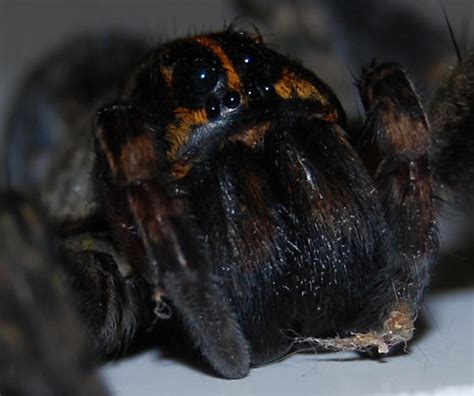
(161, 222)
(292, 86)
(258, 227)
(152, 213)
(138, 158)
(251, 227)
(128, 146)
(145, 210)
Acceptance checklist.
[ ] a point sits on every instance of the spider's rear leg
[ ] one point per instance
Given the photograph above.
(398, 125)
(43, 350)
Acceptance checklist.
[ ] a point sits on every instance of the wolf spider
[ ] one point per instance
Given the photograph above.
(222, 193)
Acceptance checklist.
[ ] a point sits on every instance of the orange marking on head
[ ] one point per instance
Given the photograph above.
(179, 131)
(292, 86)
(284, 87)
(233, 79)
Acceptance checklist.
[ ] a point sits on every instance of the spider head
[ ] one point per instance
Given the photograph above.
(207, 90)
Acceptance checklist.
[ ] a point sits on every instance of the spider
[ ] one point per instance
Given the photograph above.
(222, 193)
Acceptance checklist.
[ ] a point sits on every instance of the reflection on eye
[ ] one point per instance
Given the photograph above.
(196, 75)
(203, 79)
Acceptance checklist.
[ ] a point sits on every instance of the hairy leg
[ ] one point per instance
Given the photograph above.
(112, 303)
(397, 124)
(43, 348)
(398, 135)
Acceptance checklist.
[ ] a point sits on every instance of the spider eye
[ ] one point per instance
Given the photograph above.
(203, 79)
(196, 77)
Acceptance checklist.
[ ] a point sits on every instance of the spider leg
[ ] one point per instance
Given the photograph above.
(43, 350)
(406, 185)
(108, 299)
(174, 264)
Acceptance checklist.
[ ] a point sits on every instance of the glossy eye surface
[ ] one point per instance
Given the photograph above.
(196, 77)
(203, 79)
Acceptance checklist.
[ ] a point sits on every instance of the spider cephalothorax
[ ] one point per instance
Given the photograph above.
(224, 190)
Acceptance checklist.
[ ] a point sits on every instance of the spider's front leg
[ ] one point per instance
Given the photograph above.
(162, 247)
(397, 124)
(43, 350)
(112, 305)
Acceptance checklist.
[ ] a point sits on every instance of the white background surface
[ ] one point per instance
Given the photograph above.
(441, 362)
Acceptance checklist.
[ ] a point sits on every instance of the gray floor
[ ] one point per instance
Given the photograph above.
(441, 362)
